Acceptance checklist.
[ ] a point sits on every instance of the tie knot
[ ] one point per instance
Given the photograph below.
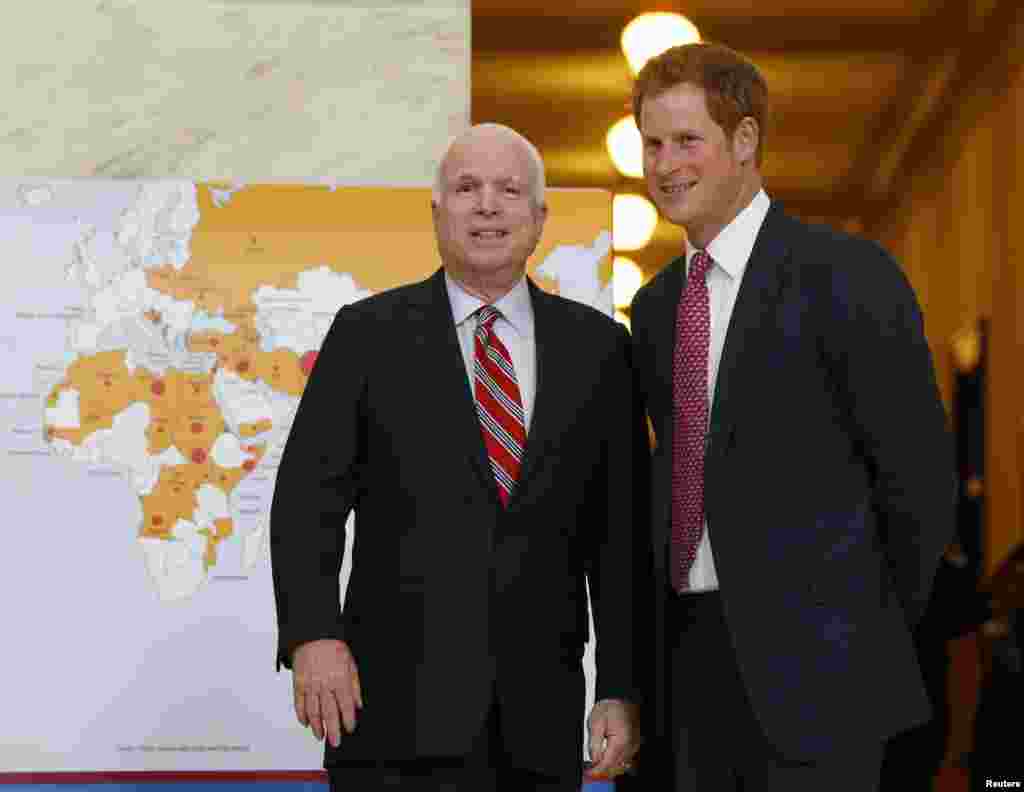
(486, 317)
(700, 264)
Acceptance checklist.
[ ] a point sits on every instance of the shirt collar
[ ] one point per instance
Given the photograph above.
(731, 249)
(515, 306)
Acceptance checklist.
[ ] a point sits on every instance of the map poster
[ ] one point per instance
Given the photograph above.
(156, 338)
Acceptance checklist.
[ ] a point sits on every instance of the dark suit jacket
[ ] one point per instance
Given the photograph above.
(827, 480)
(450, 593)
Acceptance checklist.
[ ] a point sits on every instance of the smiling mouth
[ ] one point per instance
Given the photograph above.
(488, 235)
(677, 189)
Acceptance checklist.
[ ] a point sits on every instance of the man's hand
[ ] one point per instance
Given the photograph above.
(327, 691)
(614, 736)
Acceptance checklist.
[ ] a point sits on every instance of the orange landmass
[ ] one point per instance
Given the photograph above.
(195, 430)
(229, 478)
(255, 428)
(194, 390)
(282, 370)
(240, 353)
(222, 530)
(159, 433)
(105, 387)
(173, 498)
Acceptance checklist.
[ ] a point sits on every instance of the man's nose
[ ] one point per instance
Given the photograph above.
(665, 161)
(487, 202)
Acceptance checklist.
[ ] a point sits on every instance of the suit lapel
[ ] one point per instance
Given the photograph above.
(663, 335)
(760, 290)
(664, 330)
(433, 312)
(552, 352)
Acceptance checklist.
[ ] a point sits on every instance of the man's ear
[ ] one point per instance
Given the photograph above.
(542, 215)
(745, 139)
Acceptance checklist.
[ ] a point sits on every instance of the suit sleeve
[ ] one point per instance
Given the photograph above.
(880, 359)
(317, 487)
(619, 568)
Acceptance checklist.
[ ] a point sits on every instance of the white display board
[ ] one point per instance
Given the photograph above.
(155, 338)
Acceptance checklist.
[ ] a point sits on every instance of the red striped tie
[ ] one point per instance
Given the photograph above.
(498, 403)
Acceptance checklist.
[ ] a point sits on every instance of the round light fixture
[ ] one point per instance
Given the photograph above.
(633, 221)
(651, 34)
(627, 277)
(625, 147)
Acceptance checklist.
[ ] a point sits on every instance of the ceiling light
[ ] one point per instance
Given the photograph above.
(626, 148)
(633, 221)
(651, 34)
(627, 277)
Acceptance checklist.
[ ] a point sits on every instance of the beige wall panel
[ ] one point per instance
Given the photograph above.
(246, 90)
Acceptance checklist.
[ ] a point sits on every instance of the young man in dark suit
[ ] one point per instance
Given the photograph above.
(801, 491)
(486, 436)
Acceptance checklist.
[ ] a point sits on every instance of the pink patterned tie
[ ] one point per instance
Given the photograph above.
(690, 407)
(499, 405)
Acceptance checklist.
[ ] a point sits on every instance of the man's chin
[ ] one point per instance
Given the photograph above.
(490, 260)
(676, 214)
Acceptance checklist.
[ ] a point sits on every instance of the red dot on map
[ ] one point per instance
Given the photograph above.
(249, 465)
(157, 520)
(158, 388)
(197, 427)
(199, 456)
(307, 360)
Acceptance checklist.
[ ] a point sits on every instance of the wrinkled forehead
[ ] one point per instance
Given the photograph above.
(489, 156)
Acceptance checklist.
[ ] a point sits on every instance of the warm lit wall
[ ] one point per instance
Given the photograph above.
(959, 234)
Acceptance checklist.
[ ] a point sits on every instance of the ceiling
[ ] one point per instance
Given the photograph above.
(857, 88)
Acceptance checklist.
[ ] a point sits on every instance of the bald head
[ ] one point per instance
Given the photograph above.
(495, 132)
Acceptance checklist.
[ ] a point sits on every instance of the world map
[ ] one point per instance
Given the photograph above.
(185, 362)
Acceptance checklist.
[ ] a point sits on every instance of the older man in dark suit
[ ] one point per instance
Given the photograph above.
(486, 436)
(802, 477)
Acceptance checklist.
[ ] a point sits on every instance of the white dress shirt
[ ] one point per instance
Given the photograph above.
(730, 251)
(514, 327)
